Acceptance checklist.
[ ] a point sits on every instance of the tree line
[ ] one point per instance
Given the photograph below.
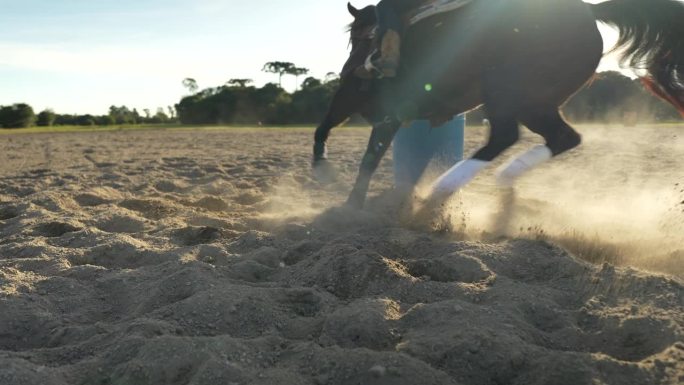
(610, 97)
(22, 115)
(238, 101)
(613, 97)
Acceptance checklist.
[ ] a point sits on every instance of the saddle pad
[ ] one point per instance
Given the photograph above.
(436, 7)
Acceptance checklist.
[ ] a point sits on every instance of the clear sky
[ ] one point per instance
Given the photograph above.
(81, 56)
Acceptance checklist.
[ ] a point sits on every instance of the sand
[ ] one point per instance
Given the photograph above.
(212, 257)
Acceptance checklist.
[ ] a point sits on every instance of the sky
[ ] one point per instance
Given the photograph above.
(82, 56)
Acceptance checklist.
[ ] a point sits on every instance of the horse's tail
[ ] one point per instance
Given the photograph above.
(651, 38)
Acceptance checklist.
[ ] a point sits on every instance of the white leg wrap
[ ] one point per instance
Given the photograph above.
(462, 173)
(524, 162)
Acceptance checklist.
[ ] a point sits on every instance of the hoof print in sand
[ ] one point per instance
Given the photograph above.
(303, 302)
(366, 323)
(451, 268)
(350, 273)
(149, 208)
(269, 256)
(118, 251)
(191, 236)
(55, 229)
(212, 204)
(250, 271)
(8, 213)
(97, 196)
(252, 240)
(169, 186)
(121, 224)
(630, 340)
(301, 251)
(90, 200)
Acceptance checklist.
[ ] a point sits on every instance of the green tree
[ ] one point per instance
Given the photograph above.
(240, 83)
(105, 120)
(331, 76)
(136, 116)
(191, 85)
(310, 103)
(86, 120)
(297, 72)
(278, 67)
(19, 115)
(122, 115)
(46, 118)
(159, 117)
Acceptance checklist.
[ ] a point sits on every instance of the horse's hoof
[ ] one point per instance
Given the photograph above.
(324, 172)
(355, 202)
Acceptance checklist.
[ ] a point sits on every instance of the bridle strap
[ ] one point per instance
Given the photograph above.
(367, 33)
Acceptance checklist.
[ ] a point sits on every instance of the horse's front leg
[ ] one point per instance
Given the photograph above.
(344, 103)
(323, 171)
(380, 140)
(320, 153)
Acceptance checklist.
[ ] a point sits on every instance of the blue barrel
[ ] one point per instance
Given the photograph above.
(419, 143)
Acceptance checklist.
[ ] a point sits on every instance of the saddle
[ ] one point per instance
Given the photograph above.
(426, 9)
(433, 7)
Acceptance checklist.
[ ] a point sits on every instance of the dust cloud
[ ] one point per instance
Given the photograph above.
(619, 198)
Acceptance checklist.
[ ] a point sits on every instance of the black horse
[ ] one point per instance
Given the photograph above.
(521, 59)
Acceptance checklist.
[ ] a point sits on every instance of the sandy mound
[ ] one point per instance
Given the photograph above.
(147, 262)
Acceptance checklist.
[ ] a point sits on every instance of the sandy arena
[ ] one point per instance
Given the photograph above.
(210, 256)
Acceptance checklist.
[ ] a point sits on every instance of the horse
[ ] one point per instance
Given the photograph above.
(521, 60)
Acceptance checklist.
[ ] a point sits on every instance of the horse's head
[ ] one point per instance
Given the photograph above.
(354, 95)
(362, 33)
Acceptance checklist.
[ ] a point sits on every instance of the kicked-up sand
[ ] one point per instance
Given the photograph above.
(212, 257)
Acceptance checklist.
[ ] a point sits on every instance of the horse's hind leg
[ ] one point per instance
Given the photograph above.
(503, 134)
(559, 136)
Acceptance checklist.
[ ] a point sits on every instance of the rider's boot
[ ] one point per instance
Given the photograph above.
(385, 62)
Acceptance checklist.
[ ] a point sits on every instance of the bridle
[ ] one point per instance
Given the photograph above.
(365, 34)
